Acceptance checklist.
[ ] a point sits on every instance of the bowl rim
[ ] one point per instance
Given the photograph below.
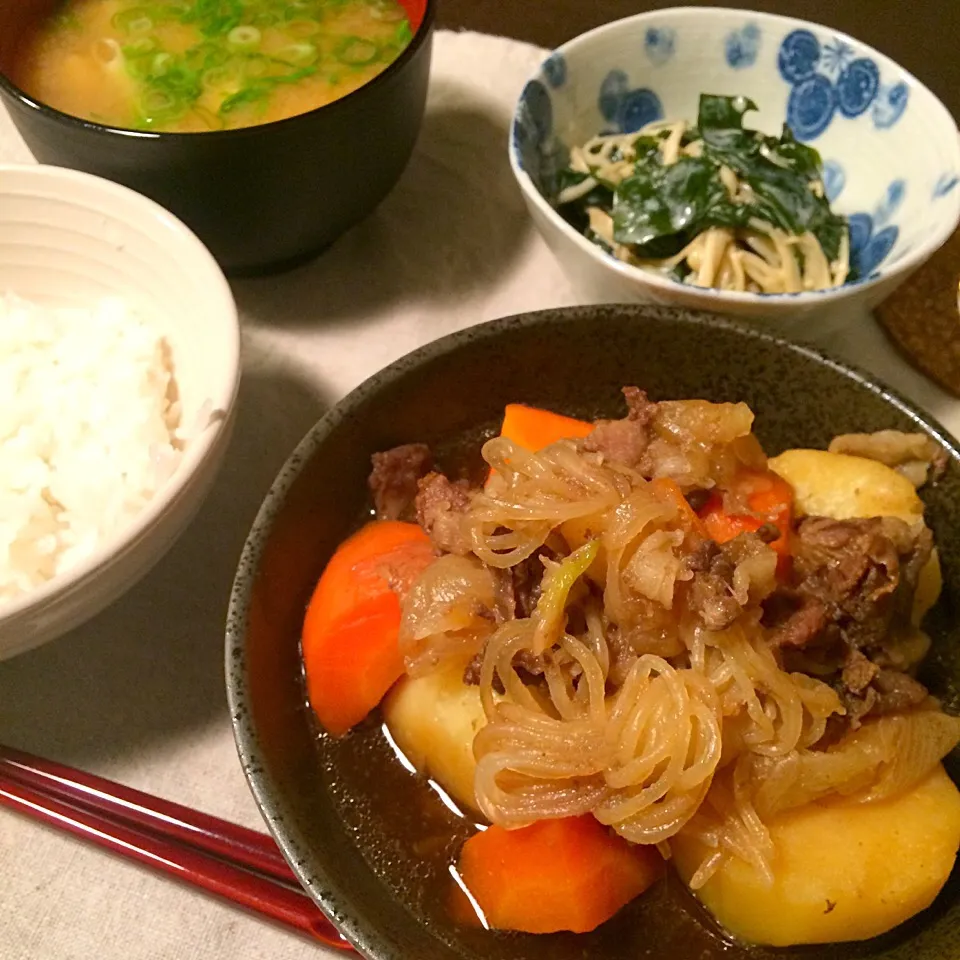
(314, 872)
(424, 30)
(929, 242)
(202, 445)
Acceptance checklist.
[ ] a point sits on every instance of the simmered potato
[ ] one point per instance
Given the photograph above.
(844, 487)
(843, 870)
(433, 720)
(840, 486)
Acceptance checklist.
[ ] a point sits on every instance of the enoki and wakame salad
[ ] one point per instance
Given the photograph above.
(640, 645)
(713, 205)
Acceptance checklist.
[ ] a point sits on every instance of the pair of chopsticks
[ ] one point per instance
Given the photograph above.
(222, 858)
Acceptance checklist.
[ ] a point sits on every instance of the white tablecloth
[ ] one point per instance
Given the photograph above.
(137, 694)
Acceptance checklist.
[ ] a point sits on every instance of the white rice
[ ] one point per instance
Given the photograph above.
(88, 420)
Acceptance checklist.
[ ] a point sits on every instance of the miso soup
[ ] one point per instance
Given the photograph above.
(198, 65)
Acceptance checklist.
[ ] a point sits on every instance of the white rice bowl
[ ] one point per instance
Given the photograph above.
(118, 391)
(88, 432)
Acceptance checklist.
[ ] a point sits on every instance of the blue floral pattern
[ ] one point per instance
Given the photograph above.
(944, 185)
(742, 46)
(626, 109)
(612, 90)
(835, 56)
(798, 56)
(874, 251)
(857, 86)
(872, 237)
(828, 78)
(532, 128)
(811, 106)
(889, 105)
(861, 229)
(555, 70)
(536, 111)
(834, 179)
(659, 43)
(890, 203)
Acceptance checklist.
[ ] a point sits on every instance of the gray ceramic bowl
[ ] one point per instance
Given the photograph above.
(357, 859)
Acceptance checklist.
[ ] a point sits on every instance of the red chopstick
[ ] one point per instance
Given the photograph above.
(163, 817)
(231, 861)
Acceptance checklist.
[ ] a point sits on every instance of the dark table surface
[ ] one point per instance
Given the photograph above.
(921, 35)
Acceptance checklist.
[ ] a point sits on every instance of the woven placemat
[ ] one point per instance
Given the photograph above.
(922, 318)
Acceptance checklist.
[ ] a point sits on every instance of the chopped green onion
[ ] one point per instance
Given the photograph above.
(256, 66)
(107, 50)
(249, 96)
(214, 18)
(222, 76)
(357, 52)
(179, 78)
(133, 20)
(212, 55)
(160, 64)
(402, 35)
(256, 93)
(140, 47)
(137, 67)
(244, 38)
(558, 581)
(297, 8)
(159, 101)
(301, 29)
(298, 54)
(264, 18)
(212, 120)
(170, 11)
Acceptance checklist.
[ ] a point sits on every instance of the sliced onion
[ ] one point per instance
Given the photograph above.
(655, 567)
(885, 757)
(447, 611)
(915, 742)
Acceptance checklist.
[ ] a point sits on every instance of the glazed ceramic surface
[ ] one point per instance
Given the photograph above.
(261, 198)
(890, 149)
(315, 792)
(69, 239)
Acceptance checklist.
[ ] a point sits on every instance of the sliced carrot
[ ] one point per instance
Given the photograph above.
(533, 428)
(354, 663)
(350, 652)
(769, 497)
(569, 874)
(669, 490)
(356, 571)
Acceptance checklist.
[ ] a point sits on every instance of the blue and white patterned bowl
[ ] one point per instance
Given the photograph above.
(890, 148)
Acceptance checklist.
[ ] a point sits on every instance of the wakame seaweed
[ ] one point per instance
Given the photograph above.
(658, 209)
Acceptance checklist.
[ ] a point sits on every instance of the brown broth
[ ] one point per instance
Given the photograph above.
(191, 67)
(410, 838)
